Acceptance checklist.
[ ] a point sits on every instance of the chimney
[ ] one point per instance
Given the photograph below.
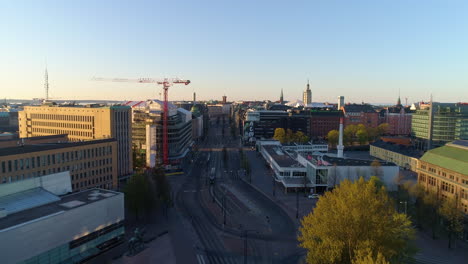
(340, 146)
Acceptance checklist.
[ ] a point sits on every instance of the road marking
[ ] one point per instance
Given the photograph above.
(200, 258)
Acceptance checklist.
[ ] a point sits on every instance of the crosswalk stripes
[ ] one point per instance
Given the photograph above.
(201, 259)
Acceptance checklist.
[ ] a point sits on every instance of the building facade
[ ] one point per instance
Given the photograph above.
(355, 114)
(435, 124)
(307, 95)
(445, 171)
(404, 156)
(323, 120)
(83, 123)
(147, 137)
(398, 119)
(90, 163)
(41, 223)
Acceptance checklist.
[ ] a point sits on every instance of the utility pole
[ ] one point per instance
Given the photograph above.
(297, 204)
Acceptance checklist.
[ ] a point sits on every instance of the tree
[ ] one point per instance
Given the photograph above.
(349, 133)
(431, 205)
(352, 218)
(453, 218)
(367, 257)
(280, 135)
(362, 136)
(373, 133)
(300, 137)
(382, 129)
(333, 137)
(163, 188)
(138, 195)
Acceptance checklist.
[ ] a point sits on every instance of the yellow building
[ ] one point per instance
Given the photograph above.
(445, 170)
(83, 123)
(90, 163)
(403, 156)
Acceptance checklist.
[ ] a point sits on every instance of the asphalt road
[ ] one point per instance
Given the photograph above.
(268, 239)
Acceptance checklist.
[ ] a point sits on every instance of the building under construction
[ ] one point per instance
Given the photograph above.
(147, 131)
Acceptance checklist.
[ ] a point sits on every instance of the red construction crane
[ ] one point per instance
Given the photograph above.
(166, 83)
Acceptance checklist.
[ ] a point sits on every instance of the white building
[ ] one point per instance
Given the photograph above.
(309, 166)
(41, 223)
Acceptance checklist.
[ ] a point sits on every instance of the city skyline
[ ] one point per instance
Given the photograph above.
(363, 50)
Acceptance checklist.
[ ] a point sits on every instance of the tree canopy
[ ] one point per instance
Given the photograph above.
(280, 135)
(356, 217)
(138, 194)
(333, 137)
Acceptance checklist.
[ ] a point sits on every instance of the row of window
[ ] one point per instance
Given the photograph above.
(75, 118)
(58, 158)
(62, 125)
(103, 181)
(49, 131)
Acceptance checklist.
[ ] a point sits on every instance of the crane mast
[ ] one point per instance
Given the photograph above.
(166, 83)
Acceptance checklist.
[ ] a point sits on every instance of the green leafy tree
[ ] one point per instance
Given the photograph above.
(163, 188)
(280, 135)
(366, 256)
(362, 136)
(139, 197)
(349, 133)
(361, 127)
(354, 217)
(382, 129)
(373, 133)
(333, 137)
(453, 218)
(431, 205)
(300, 137)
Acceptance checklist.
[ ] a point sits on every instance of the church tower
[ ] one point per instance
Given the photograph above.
(307, 95)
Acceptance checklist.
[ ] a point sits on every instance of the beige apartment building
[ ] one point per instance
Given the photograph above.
(83, 123)
(90, 163)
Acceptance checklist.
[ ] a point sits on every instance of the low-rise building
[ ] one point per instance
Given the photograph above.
(40, 222)
(311, 167)
(445, 171)
(404, 156)
(356, 114)
(90, 163)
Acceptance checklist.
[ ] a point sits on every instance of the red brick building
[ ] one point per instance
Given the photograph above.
(398, 118)
(323, 121)
(355, 114)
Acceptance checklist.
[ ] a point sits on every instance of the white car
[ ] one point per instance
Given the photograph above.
(314, 196)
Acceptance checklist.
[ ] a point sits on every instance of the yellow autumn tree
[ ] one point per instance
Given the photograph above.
(280, 135)
(355, 217)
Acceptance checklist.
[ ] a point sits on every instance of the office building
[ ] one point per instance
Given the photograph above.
(307, 95)
(340, 102)
(15, 141)
(435, 124)
(398, 118)
(83, 123)
(90, 163)
(261, 124)
(147, 131)
(323, 120)
(41, 222)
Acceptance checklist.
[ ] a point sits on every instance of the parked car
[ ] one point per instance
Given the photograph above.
(314, 196)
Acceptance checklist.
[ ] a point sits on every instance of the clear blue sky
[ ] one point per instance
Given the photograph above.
(364, 50)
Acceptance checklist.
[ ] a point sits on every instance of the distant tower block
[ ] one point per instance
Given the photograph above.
(307, 95)
(340, 101)
(194, 97)
(224, 99)
(281, 97)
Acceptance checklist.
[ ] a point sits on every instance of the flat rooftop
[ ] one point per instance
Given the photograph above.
(281, 157)
(398, 148)
(352, 162)
(49, 146)
(66, 203)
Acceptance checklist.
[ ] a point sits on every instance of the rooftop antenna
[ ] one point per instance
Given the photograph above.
(46, 84)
